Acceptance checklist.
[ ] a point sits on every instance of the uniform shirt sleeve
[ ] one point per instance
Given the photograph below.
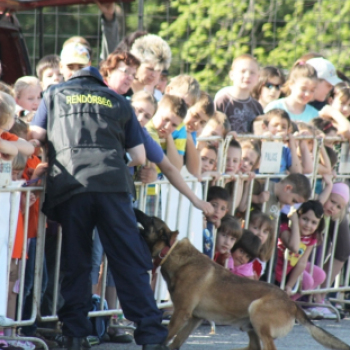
(154, 152)
(40, 117)
(133, 132)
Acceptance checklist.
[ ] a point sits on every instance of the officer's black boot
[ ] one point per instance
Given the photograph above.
(155, 347)
(74, 343)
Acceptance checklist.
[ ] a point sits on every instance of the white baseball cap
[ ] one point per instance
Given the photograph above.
(325, 70)
(75, 53)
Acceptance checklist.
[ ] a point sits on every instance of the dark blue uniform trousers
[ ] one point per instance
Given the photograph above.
(128, 257)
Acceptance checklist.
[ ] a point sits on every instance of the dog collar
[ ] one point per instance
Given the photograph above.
(159, 260)
(167, 252)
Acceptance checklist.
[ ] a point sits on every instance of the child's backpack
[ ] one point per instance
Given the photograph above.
(99, 323)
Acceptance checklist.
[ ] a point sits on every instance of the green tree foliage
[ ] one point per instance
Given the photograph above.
(206, 35)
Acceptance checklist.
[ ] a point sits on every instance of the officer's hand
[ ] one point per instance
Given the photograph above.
(148, 174)
(206, 207)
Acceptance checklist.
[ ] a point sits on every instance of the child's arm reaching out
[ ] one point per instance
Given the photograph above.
(297, 270)
(295, 167)
(324, 166)
(324, 195)
(173, 154)
(291, 239)
(24, 147)
(7, 150)
(192, 157)
(305, 154)
(243, 204)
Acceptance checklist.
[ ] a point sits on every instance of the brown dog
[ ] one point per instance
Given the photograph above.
(200, 290)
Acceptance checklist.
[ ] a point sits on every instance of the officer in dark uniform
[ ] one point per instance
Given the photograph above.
(88, 127)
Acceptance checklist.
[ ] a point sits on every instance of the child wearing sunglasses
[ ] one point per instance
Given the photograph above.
(269, 87)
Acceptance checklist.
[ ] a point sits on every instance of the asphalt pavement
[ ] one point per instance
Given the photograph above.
(228, 338)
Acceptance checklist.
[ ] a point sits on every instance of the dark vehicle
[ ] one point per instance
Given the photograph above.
(14, 58)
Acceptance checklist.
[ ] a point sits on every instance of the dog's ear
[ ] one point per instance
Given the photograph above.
(174, 234)
(167, 239)
(142, 218)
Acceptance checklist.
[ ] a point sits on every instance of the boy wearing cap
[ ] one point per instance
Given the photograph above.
(327, 78)
(89, 128)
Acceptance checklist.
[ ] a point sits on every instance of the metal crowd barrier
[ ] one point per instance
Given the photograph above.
(142, 190)
(39, 258)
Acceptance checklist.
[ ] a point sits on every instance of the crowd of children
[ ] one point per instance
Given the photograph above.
(247, 224)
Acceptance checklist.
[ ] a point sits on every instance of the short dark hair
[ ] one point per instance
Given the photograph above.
(300, 183)
(48, 61)
(211, 147)
(217, 192)
(249, 243)
(235, 144)
(206, 104)
(230, 226)
(276, 112)
(175, 103)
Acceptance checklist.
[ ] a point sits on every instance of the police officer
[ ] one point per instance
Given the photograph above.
(88, 127)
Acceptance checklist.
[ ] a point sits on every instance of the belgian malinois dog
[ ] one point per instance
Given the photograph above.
(200, 289)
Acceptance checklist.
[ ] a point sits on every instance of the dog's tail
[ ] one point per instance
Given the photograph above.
(320, 335)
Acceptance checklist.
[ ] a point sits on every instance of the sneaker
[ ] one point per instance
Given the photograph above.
(313, 313)
(327, 313)
(117, 335)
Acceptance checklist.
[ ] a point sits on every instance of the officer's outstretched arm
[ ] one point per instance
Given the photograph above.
(137, 154)
(37, 133)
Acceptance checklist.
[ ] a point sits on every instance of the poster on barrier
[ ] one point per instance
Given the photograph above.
(344, 165)
(8, 224)
(5, 172)
(271, 155)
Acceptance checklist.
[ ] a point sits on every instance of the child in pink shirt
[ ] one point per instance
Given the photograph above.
(243, 253)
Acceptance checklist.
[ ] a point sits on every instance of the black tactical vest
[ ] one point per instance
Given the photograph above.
(85, 132)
